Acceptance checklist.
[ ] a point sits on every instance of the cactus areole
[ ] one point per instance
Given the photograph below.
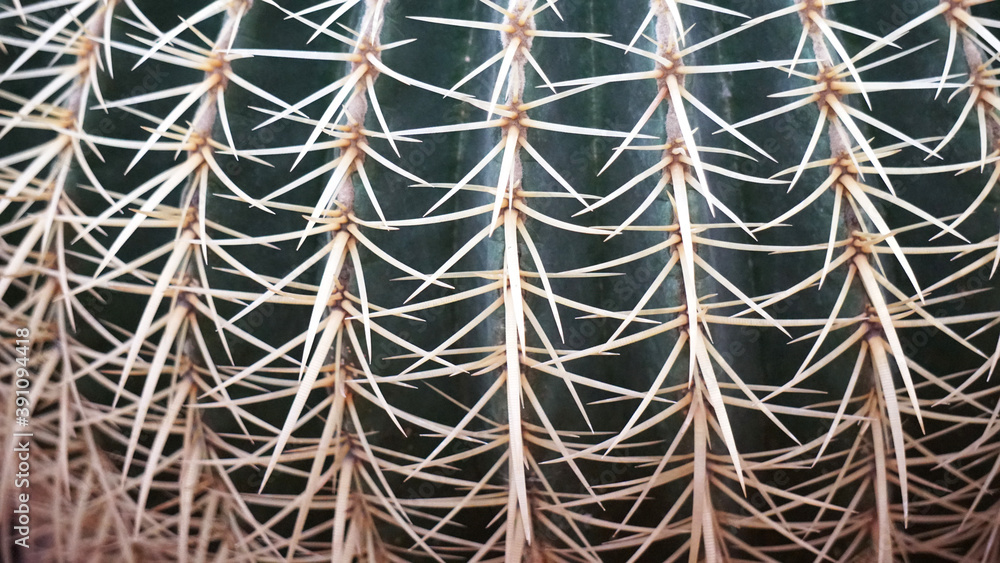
(465, 280)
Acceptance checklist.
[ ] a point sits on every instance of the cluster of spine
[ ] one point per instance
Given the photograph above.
(165, 429)
(74, 481)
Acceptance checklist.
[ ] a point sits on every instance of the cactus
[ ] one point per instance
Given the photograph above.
(372, 280)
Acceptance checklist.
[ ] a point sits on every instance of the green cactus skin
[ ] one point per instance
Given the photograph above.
(577, 280)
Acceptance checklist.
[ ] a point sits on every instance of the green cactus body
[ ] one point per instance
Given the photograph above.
(569, 280)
